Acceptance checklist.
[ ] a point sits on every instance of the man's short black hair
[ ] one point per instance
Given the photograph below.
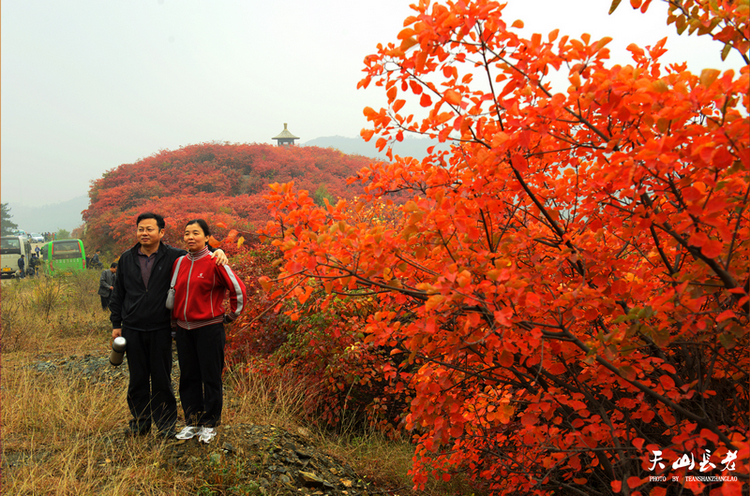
(150, 215)
(113, 265)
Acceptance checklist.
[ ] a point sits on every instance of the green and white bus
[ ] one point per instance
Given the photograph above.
(11, 249)
(63, 255)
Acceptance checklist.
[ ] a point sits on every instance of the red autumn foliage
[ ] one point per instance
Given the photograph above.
(221, 182)
(566, 292)
(319, 347)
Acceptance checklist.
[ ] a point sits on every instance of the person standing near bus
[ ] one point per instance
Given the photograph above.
(22, 266)
(34, 264)
(139, 314)
(107, 284)
(95, 262)
(199, 290)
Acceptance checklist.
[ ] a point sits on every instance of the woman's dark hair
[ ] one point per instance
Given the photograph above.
(150, 215)
(202, 223)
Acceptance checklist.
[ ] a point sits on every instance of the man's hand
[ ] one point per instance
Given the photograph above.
(220, 258)
(116, 333)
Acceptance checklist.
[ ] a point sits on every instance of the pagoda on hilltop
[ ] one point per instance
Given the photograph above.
(285, 138)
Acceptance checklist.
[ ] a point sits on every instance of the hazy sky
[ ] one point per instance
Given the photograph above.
(88, 85)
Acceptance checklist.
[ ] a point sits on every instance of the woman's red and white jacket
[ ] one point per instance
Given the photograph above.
(200, 289)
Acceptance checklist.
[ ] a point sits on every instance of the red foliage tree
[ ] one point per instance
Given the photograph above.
(318, 346)
(570, 281)
(219, 181)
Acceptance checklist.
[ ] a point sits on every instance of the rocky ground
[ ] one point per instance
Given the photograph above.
(242, 459)
(269, 458)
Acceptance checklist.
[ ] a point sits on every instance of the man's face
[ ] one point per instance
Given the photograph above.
(113, 269)
(149, 233)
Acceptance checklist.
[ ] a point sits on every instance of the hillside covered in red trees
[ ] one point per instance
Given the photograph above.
(221, 182)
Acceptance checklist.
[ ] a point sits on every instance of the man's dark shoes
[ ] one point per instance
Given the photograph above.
(135, 430)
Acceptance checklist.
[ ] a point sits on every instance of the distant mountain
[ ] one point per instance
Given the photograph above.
(50, 218)
(410, 147)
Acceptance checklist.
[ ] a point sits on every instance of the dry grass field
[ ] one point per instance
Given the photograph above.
(64, 414)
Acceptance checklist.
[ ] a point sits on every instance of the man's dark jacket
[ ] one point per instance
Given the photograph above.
(106, 280)
(132, 305)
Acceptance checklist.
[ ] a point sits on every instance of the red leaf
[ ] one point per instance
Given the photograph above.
(557, 369)
(519, 163)
(506, 359)
(452, 97)
(698, 239)
(712, 248)
(726, 314)
(533, 300)
(667, 382)
(634, 482)
(528, 419)
(715, 205)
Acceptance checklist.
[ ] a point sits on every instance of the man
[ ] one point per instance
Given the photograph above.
(107, 284)
(21, 266)
(95, 262)
(139, 314)
(34, 264)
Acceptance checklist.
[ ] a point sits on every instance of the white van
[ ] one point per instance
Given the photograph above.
(11, 249)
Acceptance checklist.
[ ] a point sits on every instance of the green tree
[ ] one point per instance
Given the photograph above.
(321, 194)
(62, 234)
(6, 225)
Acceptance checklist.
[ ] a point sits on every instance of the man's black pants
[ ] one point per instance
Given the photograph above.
(150, 395)
(201, 355)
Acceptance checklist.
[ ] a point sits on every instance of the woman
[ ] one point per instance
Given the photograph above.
(200, 287)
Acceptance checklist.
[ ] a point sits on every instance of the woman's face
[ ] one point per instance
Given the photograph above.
(194, 237)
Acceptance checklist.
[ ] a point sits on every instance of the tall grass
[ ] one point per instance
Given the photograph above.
(59, 314)
(62, 432)
(59, 432)
(255, 399)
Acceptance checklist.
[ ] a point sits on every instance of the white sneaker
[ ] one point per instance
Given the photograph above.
(188, 432)
(206, 434)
